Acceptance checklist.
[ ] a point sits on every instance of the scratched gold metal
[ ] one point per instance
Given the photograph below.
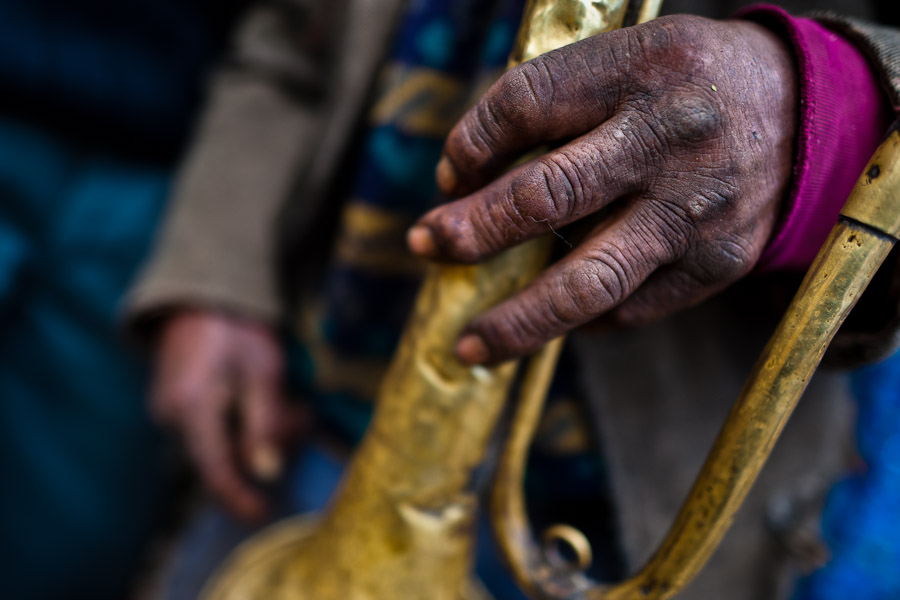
(874, 199)
(401, 526)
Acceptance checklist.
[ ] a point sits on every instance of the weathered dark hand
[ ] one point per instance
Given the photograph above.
(676, 139)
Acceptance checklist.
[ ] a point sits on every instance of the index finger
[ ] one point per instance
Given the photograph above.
(553, 97)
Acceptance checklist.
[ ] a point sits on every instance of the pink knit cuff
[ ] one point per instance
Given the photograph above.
(843, 116)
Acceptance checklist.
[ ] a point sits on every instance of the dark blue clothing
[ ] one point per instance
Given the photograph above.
(80, 464)
(96, 98)
(129, 74)
(862, 514)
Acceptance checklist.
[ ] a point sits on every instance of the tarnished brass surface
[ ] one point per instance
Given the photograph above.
(401, 524)
(400, 527)
(551, 24)
(874, 199)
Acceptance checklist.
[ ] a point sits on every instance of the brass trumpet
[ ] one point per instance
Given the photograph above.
(400, 527)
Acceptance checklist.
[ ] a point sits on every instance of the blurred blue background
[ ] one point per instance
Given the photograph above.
(96, 102)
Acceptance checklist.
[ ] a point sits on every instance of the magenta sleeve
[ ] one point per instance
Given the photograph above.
(843, 116)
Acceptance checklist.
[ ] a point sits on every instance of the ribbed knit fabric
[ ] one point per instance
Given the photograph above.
(843, 116)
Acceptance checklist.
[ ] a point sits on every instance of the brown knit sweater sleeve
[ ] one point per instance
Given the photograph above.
(263, 115)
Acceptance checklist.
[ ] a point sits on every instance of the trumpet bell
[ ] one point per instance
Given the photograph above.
(265, 566)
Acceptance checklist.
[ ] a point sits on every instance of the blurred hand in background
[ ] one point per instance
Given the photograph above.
(218, 382)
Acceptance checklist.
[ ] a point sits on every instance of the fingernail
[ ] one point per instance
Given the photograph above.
(472, 350)
(421, 241)
(267, 463)
(446, 176)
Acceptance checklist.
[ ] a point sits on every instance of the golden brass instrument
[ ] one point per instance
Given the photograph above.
(400, 526)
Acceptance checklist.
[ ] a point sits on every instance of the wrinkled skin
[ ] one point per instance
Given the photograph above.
(675, 137)
(213, 369)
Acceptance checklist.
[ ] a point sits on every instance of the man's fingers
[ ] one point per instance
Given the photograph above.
(206, 435)
(709, 267)
(180, 378)
(551, 191)
(554, 97)
(209, 367)
(596, 277)
(669, 290)
(199, 412)
(262, 409)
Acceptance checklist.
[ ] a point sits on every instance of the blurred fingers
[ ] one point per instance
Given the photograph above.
(206, 434)
(262, 410)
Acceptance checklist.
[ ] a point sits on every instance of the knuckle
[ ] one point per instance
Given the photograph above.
(690, 118)
(699, 194)
(548, 190)
(528, 89)
(517, 101)
(573, 301)
(590, 74)
(474, 142)
(709, 203)
(511, 333)
(690, 197)
(518, 208)
(589, 290)
(722, 260)
(655, 47)
(662, 229)
(654, 39)
(738, 254)
(672, 39)
(671, 87)
(644, 138)
(466, 234)
(468, 143)
(600, 280)
(485, 130)
(554, 188)
(562, 180)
